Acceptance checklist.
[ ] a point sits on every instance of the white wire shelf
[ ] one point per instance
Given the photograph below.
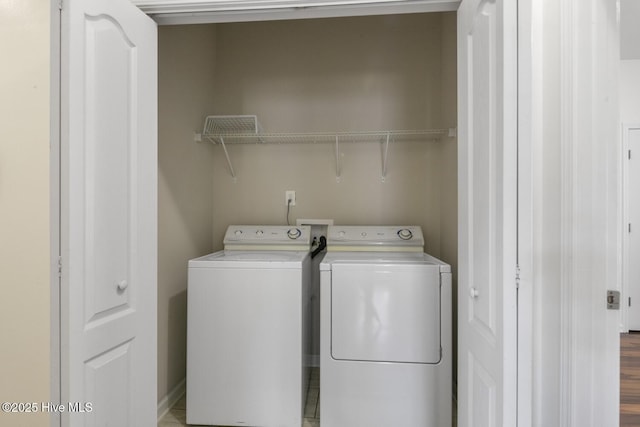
(229, 125)
(228, 130)
(325, 137)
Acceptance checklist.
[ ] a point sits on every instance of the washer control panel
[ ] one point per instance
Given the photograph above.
(271, 235)
(393, 237)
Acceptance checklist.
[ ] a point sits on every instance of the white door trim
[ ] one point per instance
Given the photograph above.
(198, 6)
(529, 71)
(173, 12)
(624, 234)
(54, 210)
(589, 237)
(567, 208)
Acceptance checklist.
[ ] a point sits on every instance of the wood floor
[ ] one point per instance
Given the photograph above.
(630, 379)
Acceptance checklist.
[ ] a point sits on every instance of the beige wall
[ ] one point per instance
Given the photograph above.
(186, 62)
(24, 207)
(630, 63)
(629, 31)
(367, 73)
(449, 156)
(630, 91)
(449, 147)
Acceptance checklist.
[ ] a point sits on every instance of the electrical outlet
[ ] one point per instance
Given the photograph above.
(290, 195)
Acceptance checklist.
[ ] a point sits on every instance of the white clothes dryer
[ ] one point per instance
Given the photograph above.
(385, 336)
(247, 329)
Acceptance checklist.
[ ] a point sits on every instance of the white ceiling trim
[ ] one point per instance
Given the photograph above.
(211, 11)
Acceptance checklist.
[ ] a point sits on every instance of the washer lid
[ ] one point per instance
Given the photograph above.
(375, 238)
(250, 259)
(267, 238)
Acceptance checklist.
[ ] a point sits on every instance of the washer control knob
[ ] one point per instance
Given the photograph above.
(363, 234)
(259, 233)
(341, 234)
(405, 234)
(294, 233)
(238, 232)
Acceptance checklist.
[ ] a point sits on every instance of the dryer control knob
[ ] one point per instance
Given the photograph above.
(238, 232)
(405, 234)
(294, 233)
(259, 233)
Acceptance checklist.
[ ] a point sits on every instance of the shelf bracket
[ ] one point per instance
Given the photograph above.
(385, 157)
(338, 166)
(226, 154)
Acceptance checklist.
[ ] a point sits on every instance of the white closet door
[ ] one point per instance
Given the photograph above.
(487, 167)
(108, 193)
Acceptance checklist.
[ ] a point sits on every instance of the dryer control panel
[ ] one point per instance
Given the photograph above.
(382, 238)
(267, 237)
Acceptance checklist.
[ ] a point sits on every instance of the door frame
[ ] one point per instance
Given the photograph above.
(624, 255)
(589, 212)
(529, 60)
(180, 12)
(55, 166)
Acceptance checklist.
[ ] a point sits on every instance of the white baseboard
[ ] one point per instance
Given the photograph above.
(171, 398)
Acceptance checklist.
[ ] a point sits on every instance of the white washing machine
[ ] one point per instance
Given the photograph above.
(247, 329)
(385, 334)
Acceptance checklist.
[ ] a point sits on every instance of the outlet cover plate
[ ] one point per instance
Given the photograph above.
(289, 195)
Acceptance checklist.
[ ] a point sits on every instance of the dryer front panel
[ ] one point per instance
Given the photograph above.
(385, 313)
